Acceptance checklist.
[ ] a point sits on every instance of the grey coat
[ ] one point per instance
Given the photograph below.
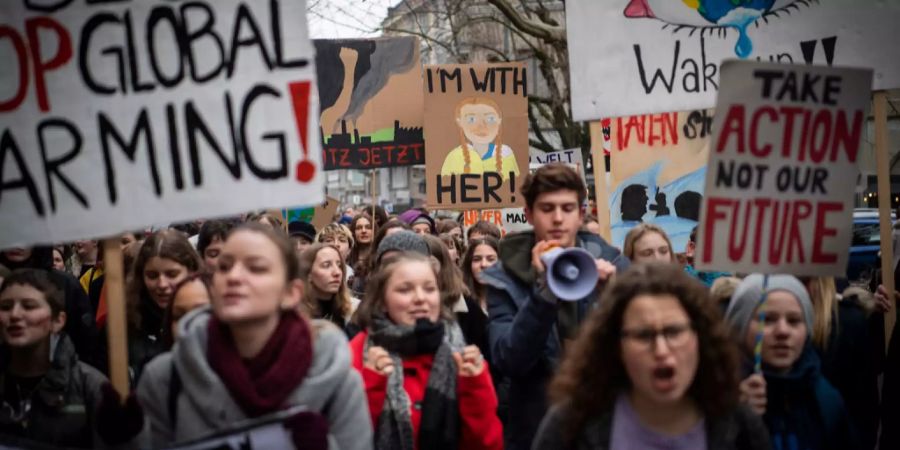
(740, 430)
(204, 404)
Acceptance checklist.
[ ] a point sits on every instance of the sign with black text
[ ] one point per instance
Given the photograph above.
(476, 126)
(116, 115)
(778, 196)
(630, 57)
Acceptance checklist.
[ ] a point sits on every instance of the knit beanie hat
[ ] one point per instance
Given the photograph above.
(746, 298)
(403, 241)
(414, 216)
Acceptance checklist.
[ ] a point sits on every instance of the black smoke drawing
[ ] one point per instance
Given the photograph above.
(378, 60)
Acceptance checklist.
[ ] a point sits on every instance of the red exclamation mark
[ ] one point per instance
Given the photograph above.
(300, 98)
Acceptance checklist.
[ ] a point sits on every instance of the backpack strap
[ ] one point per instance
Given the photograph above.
(175, 386)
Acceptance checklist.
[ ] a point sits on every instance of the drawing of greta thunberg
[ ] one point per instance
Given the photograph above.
(480, 150)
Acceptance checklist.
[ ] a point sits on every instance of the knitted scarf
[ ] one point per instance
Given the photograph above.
(262, 384)
(439, 426)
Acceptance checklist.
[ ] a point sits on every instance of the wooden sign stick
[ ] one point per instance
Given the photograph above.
(116, 326)
(883, 163)
(373, 199)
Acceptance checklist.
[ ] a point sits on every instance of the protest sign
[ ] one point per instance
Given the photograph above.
(657, 172)
(319, 215)
(779, 195)
(267, 431)
(654, 56)
(122, 114)
(476, 123)
(371, 102)
(571, 157)
(514, 220)
(511, 220)
(325, 212)
(492, 216)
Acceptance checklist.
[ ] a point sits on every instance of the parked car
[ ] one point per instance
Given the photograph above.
(865, 244)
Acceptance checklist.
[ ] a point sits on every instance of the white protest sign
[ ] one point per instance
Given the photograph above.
(630, 57)
(513, 219)
(779, 184)
(571, 157)
(123, 114)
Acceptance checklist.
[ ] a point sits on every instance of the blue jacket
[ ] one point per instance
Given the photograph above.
(804, 411)
(526, 324)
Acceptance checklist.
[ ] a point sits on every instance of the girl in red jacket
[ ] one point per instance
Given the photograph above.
(426, 389)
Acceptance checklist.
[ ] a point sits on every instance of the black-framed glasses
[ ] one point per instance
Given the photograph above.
(675, 336)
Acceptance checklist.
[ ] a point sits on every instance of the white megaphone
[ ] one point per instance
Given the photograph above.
(571, 272)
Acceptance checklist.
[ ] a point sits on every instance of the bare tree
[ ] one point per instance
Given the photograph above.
(460, 31)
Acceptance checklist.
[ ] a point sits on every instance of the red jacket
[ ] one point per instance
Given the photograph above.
(480, 427)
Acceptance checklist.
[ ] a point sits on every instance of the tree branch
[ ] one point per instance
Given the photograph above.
(550, 33)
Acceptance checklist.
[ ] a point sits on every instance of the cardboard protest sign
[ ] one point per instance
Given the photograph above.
(325, 212)
(654, 56)
(492, 216)
(371, 102)
(122, 114)
(319, 215)
(476, 123)
(511, 220)
(779, 195)
(658, 172)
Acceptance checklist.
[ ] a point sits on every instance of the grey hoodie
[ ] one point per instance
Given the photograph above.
(204, 404)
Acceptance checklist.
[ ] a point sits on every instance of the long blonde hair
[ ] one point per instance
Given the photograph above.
(464, 143)
(823, 294)
(636, 233)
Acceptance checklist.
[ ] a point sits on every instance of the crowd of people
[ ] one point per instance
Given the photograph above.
(409, 332)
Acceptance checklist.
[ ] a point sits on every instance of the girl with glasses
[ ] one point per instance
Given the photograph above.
(651, 368)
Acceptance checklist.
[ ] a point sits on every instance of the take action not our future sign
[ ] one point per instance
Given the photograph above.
(117, 115)
(779, 195)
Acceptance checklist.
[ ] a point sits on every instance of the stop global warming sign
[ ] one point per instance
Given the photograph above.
(782, 163)
(116, 115)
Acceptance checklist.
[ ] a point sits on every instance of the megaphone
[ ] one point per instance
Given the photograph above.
(571, 272)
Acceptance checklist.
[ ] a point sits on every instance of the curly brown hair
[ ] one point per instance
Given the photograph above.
(593, 364)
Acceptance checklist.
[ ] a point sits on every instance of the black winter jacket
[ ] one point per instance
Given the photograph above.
(527, 327)
(62, 404)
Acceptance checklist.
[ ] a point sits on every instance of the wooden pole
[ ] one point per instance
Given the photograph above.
(115, 315)
(373, 199)
(601, 189)
(884, 206)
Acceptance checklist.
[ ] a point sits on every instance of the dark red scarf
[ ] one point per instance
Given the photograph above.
(261, 385)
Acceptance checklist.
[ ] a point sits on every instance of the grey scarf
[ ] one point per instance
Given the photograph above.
(439, 425)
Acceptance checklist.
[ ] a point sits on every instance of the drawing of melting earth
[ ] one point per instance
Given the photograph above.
(737, 14)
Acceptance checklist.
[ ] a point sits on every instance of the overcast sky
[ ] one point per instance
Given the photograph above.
(346, 18)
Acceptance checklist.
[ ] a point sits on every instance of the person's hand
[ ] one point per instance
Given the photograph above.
(117, 422)
(379, 361)
(539, 249)
(309, 430)
(470, 361)
(883, 303)
(753, 393)
(605, 269)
